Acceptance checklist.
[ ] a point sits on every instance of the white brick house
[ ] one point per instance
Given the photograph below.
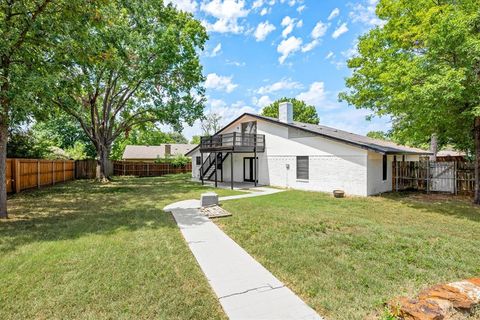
(298, 155)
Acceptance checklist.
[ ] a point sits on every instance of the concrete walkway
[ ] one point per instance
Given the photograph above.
(245, 289)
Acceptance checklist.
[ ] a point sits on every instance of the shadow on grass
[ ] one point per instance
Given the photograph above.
(446, 204)
(85, 207)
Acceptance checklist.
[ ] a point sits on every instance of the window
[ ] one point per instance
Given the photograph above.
(384, 167)
(302, 167)
(199, 161)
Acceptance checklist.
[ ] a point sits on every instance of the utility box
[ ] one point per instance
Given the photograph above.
(209, 199)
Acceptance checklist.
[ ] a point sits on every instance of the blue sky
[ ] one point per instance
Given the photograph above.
(262, 50)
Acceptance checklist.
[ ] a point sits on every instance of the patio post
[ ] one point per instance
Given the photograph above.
(216, 156)
(231, 170)
(201, 167)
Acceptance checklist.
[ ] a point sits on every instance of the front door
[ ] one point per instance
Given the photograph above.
(248, 169)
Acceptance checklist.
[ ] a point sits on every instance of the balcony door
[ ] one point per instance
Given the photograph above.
(249, 169)
(248, 130)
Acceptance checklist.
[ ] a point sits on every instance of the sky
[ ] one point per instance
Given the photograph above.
(262, 50)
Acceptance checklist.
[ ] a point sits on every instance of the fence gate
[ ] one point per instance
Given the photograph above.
(449, 177)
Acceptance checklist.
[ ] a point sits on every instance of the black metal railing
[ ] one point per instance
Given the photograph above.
(233, 141)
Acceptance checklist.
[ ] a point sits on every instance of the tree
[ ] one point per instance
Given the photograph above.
(423, 68)
(139, 64)
(195, 140)
(211, 124)
(30, 32)
(301, 111)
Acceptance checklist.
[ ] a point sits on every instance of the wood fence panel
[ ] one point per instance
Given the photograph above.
(34, 173)
(452, 177)
(147, 169)
(9, 175)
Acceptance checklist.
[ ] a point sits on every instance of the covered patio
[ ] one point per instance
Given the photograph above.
(215, 150)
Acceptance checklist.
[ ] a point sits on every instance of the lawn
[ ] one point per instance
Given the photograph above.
(347, 257)
(93, 251)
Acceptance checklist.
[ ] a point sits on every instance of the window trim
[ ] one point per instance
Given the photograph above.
(307, 158)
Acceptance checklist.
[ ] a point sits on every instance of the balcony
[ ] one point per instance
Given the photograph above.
(233, 142)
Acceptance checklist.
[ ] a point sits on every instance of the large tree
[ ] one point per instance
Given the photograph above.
(30, 31)
(139, 65)
(302, 112)
(422, 67)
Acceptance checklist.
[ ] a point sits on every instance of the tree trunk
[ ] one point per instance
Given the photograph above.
(477, 160)
(3, 169)
(102, 163)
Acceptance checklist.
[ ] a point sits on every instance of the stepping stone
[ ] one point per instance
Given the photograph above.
(215, 212)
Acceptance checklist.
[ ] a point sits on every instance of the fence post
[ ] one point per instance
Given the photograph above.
(148, 169)
(123, 167)
(38, 174)
(428, 176)
(16, 175)
(455, 178)
(53, 172)
(63, 170)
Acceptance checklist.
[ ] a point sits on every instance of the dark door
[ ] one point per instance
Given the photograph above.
(248, 169)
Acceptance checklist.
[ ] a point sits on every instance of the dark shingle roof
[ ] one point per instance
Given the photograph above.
(364, 142)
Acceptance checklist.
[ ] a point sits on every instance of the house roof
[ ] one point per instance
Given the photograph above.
(357, 140)
(154, 152)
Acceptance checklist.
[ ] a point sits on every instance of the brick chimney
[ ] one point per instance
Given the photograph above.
(285, 112)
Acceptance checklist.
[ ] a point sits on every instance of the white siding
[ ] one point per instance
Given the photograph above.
(332, 165)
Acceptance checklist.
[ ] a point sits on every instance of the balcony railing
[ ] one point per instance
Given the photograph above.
(234, 141)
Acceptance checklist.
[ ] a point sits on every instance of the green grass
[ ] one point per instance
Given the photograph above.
(347, 257)
(85, 250)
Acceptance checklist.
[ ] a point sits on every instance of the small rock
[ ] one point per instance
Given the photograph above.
(450, 293)
(414, 309)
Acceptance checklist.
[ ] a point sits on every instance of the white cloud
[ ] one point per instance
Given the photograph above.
(318, 31)
(220, 83)
(227, 13)
(287, 47)
(340, 30)
(284, 84)
(329, 55)
(262, 102)
(315, 95)
(335, 12)
(185, 5)
(257, 4)
(235, 63)
(264, 11)
(215, 51)
(263, 30)
(310, 46)
(289, 24)
(301, 8)
(365, 13)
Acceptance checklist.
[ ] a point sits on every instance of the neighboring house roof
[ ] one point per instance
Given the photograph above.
(154, 152)
(451, 153)
(364, 142)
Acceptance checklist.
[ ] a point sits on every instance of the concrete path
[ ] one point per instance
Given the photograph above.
(245, 289)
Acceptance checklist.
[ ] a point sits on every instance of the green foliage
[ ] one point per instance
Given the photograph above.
(421, 68)
(78, 151)
(195, 140)
(24, 144)
(137, 64)
(180, 161)
(301, 111)
(63, 132)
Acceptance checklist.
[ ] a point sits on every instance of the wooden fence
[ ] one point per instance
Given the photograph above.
(35, 173)
(87, 169)
(145, 169)
(451, 177)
